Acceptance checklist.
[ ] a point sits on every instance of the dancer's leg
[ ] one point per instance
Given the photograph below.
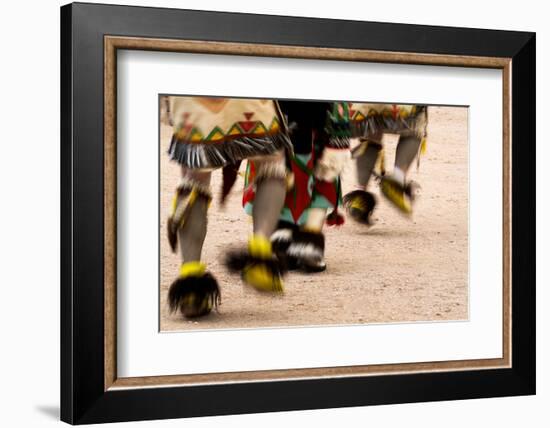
(193, 232)
(195, 291)
(365, 164)
(315, 220)
(270, 194)
(395, 187)
(405, 154)
(258, 266)
(360, 203)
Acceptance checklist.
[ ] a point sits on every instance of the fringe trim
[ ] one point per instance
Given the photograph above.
(305, 251)
(194, 296)
(187, 192)
(281, 240)
(281, 236)
(216, 155)
(415, 125)
(360, 204)
(338, 142)
(308, 247)
(237, 260)
(187, 184)
(267, 170)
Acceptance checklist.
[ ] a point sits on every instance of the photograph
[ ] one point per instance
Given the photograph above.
(303, 213)
(266, 211)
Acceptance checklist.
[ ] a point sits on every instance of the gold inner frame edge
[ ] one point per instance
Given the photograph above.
(113, 43)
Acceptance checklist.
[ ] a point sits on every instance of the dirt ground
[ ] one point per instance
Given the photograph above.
(399, 270)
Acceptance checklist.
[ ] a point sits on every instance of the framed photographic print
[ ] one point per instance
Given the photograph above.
(265, 213)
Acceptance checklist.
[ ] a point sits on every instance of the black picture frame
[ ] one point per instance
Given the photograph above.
(83, 396)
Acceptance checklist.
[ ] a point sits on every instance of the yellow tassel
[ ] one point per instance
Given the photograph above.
(259, 246)
(192, 198)
(194, 268)
(174, 203)
(423, 146)
(357, 203)
(262, 279)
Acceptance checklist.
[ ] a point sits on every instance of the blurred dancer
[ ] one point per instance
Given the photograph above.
(212, 133)
(370, 122)
(320, 137)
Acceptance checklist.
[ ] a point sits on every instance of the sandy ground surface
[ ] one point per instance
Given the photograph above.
(399, 270)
